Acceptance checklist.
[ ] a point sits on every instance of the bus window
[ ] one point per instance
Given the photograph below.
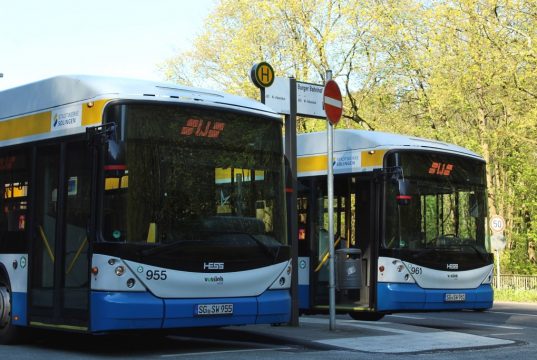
(13, 201)
(76, 215)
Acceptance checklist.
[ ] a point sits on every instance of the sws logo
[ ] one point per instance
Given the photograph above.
(213, 266)
(201, 128)
(442, 169)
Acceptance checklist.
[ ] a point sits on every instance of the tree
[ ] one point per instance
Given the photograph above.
(464, 71)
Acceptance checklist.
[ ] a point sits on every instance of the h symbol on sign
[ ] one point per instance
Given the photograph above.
(265, 74)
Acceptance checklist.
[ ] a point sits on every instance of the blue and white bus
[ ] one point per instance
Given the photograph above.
(138, 205)
(410, 224)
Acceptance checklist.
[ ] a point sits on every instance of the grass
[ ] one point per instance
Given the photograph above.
(515, 295)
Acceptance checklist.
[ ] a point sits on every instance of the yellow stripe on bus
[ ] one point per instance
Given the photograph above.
(312, 163)
(59, 326)
(93, 115)
(36, 124)
(25, 126)
(317, 163)
(372, 158)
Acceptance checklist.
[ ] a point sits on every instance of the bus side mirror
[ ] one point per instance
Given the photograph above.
(405, 193)
(473, 206)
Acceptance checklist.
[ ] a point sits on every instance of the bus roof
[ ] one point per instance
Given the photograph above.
(345, 140)
(68, 89)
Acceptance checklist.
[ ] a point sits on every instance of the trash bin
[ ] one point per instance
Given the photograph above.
(348, 269)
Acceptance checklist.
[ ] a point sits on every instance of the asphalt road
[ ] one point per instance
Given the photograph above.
(508, 331)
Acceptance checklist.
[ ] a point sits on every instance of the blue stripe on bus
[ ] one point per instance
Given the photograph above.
(304, 296)
(131, 310)
(271, 307)
(125, 310)
(18, 308)
(394, 297)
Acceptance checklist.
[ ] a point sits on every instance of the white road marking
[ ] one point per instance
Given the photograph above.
(510, 313)
(408, 317)
(497, 326)
(223, 352)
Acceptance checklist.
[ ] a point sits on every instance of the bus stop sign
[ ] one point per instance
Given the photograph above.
(332, 101)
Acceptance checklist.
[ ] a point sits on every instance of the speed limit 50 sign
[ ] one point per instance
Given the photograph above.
(497, 223)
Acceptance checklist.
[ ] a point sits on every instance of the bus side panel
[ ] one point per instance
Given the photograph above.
(274, 307)
(395, 297)
(125, 310)
(19, 305)
(16, 268)
(304, 282)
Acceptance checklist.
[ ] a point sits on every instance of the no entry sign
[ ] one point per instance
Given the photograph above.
(332, 100)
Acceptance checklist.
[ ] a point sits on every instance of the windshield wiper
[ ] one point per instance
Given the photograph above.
(162, 248)
(483, 255)
(269, 250)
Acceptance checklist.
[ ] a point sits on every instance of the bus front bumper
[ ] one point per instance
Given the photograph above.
(142, 310)
(410, 297)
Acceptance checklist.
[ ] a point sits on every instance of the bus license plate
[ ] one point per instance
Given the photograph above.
(455, 297)
(214, 309)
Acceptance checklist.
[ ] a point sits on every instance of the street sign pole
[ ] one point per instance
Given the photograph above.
(262, 75)
(330, 181)
(498, 278)
(497, 225)
(292, 216)
(333, 107)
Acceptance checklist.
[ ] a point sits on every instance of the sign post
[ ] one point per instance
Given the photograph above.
(290, 97)
(332, 101)
(497, 225)
(262, 75)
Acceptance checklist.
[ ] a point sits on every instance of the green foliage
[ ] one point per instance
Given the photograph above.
(462, 71)
(515, 295)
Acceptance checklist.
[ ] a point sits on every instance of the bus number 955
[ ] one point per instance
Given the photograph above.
(156, 275)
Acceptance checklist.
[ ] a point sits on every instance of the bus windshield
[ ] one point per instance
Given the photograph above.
(176, 175)
(435, 201)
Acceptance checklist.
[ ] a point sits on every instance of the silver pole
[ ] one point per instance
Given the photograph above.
(498, 278)
(330, 180)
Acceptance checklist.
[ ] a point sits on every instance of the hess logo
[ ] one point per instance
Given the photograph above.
(452, 266)
(213, 266)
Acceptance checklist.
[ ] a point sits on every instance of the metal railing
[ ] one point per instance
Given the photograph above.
(521, 282)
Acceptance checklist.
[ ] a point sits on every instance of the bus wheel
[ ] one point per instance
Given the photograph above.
(9, 333)
(366, 316)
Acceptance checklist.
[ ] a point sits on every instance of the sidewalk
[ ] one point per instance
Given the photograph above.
(374, 337)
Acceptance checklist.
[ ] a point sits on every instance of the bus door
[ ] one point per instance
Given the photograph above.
(367, 229)
(59, 264)
(354, 220)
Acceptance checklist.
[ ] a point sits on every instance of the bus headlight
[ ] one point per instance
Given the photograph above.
(283, 281)
(120, 270)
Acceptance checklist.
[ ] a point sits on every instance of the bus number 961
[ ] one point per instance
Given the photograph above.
(416, 270)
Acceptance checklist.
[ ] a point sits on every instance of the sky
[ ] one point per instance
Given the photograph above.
(125, 38)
